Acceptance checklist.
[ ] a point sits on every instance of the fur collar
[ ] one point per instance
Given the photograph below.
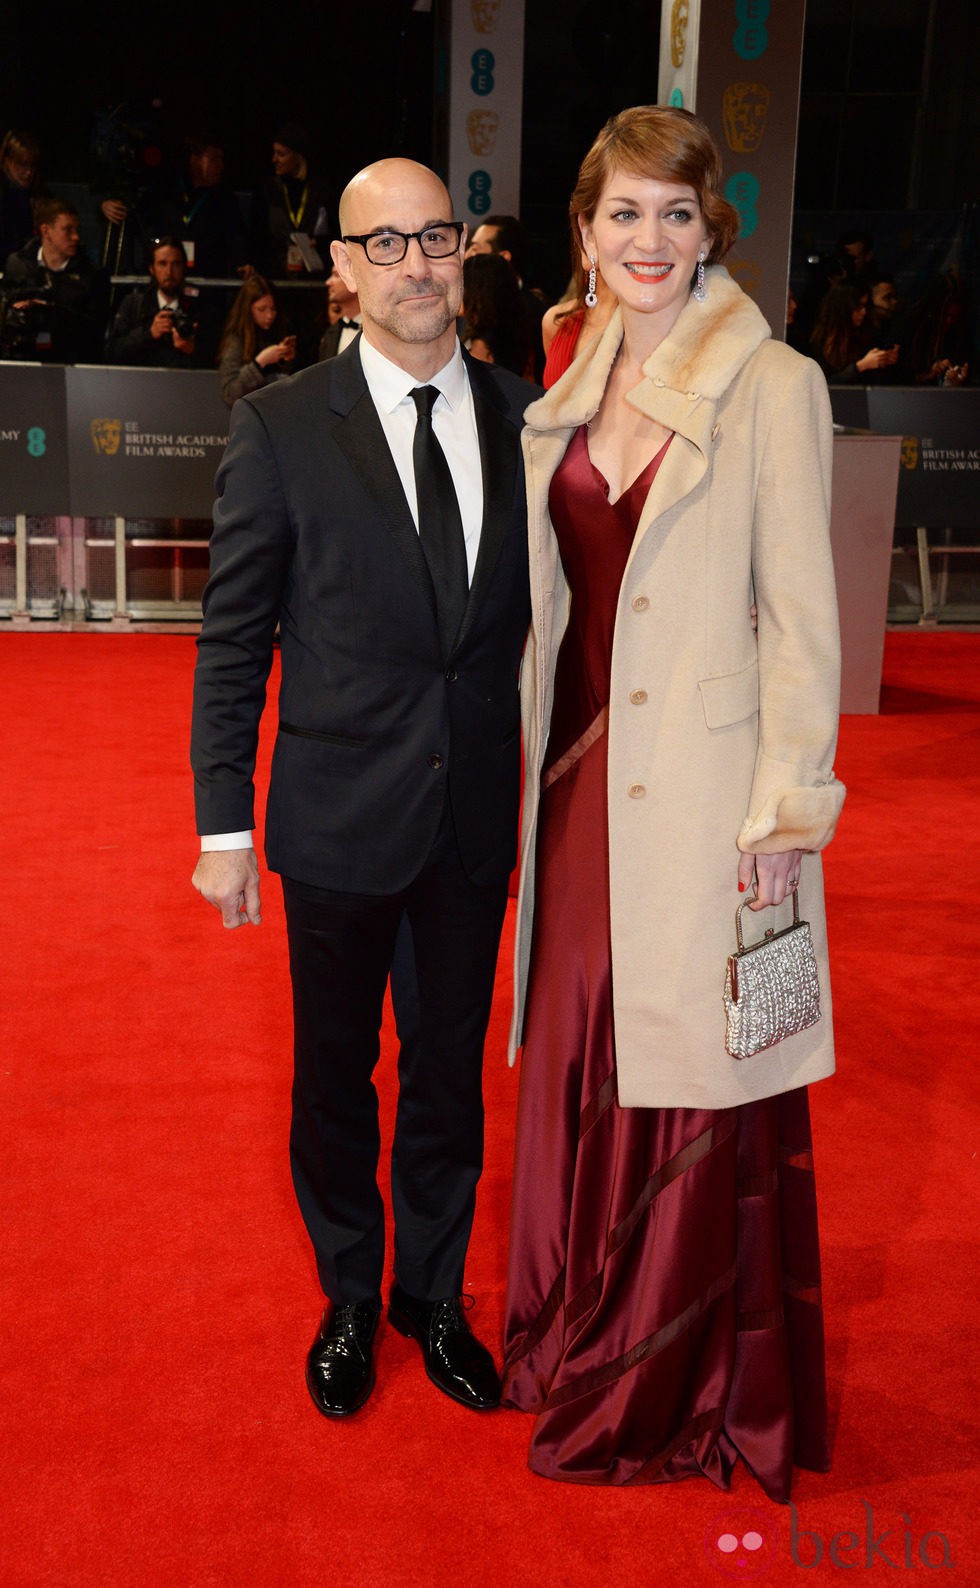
(704, 351)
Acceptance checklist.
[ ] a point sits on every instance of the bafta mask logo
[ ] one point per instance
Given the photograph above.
(678, 32)
(744, 109)
(485, 14)
(746, 273)
(910, 452)
(106, 436)
(481, 131)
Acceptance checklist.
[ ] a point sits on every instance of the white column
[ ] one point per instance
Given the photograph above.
(486, 82)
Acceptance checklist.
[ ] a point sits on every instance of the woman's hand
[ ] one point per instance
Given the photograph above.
(878, 358)
(278, 353)
(775, 876)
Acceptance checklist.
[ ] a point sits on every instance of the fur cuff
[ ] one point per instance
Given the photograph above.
(794, 818)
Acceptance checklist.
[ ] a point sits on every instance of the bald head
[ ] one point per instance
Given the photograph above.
(390, 183)
(409, 306)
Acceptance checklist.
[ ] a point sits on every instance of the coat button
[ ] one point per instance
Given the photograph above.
(451, 675)
(636, 791)
(436, 761)
(638, 696)
(640, 603)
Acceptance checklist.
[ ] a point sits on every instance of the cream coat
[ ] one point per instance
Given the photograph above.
(719, 739)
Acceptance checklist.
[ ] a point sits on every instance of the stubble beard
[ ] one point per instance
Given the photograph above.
(415, 325)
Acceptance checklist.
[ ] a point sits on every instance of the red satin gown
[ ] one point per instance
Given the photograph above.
(663, 1308)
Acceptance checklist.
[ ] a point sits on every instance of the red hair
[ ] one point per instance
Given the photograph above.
(666, 145)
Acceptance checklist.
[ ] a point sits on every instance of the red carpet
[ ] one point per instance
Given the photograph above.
(158, 1292)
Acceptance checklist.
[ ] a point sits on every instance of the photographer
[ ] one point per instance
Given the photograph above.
(55, 301)
(163, 326)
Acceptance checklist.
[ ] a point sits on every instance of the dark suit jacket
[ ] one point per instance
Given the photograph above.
(329, 343)
(312, 531)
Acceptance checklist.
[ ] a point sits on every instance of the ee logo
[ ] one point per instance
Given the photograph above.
(479, 200)
(751, 39)
(742, 190)
(37, 442)
(482, 62)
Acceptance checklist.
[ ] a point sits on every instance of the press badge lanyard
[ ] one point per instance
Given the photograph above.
(295, 216)
(190, 210)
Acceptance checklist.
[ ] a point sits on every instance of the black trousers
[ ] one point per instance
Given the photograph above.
(341, 947)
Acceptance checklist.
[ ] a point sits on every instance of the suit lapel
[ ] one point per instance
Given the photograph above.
(361, 438)
(499, 453)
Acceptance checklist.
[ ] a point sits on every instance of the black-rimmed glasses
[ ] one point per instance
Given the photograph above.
(389, 248)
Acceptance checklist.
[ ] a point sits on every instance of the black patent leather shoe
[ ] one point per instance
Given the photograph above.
(340, 1364)
(454, 1359)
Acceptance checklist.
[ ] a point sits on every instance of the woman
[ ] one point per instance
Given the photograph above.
(939, 333)
(257, 344)
(678, 470)
(496, 327)
(574, 322)
(20, 160)
(840, 345)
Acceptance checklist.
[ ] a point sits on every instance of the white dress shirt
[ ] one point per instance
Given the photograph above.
(454, 425)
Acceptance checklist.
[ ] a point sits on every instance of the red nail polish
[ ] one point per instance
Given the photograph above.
(741, 887)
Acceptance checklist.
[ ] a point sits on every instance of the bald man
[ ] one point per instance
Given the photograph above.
(373, 508)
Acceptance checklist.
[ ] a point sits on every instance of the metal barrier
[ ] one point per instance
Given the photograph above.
(107, 474)
(117, 468)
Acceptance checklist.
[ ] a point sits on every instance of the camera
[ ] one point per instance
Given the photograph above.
(24, 332)
(184, 324)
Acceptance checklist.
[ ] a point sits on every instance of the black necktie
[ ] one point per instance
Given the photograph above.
(440, 524)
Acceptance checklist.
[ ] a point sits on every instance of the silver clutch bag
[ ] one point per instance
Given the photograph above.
(771, 988)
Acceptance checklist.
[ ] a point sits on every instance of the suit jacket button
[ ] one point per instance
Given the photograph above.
(451, 675)
(636, 791)
(436, 761)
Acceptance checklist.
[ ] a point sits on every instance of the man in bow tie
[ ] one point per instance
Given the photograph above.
(372, 508)
(343, 314)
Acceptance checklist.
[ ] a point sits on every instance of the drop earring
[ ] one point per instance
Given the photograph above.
(590, 297)
(700, 290)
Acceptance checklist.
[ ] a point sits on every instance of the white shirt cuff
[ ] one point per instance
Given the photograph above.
(211, 841)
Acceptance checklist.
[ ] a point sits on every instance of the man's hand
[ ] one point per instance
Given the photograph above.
(184, 344)
(229, 879)
(775, 876)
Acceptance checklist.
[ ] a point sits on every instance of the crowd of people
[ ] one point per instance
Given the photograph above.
(186, 226)
(849, 317)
